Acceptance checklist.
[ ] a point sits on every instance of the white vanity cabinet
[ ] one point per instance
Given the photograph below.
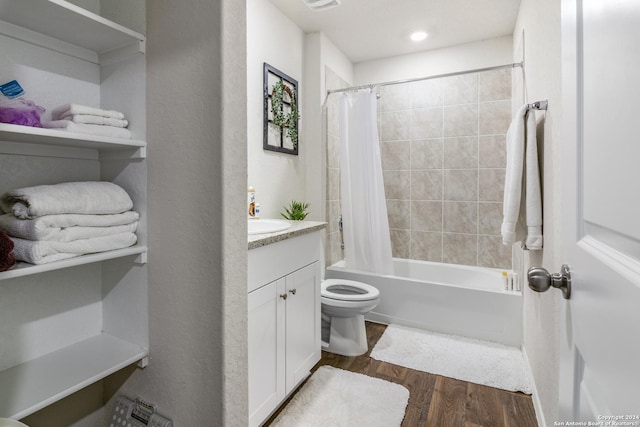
(68, 324)
(284, 320)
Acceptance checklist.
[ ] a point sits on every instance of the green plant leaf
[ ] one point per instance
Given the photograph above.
(296, 211)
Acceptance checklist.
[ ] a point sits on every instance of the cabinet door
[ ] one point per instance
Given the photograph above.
(266, 350)
(303, 323)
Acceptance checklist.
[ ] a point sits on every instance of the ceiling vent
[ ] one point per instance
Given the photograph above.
(318, 5)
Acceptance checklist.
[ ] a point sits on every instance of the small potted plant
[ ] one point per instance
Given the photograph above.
(297, 211)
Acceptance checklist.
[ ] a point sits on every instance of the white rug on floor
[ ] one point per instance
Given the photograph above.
(466, 359)
(338, 398)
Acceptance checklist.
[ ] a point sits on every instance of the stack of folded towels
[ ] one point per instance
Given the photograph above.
(54, 222)
(89, 120)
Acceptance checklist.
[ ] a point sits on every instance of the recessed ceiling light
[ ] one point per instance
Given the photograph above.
(418, 36)
(317, 5)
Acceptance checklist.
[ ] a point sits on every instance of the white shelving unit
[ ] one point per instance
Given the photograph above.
(96, 323)
(64, 27)
(67, 371)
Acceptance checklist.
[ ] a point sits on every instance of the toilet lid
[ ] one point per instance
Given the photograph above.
(348, 290)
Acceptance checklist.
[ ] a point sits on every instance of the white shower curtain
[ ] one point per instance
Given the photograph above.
(367, 243)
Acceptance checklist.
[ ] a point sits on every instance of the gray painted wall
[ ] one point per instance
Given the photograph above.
(196, 122)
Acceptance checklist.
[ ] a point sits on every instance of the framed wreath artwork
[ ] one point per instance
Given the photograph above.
(281, 115)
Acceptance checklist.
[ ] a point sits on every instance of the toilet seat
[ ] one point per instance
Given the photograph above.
(348, 290)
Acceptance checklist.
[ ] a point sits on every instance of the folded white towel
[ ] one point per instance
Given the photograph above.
(519, 165)
(69, 227)
(92, 197)
(98, 130)
(42, 252)
(96, 120)
(73, 109)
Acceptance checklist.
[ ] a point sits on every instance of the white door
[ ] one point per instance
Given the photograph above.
(600, 339)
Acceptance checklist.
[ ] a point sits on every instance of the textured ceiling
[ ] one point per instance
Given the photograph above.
(371, 29)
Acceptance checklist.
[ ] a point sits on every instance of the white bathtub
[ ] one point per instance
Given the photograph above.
(446, 298)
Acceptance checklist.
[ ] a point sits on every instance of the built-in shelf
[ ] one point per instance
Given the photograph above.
(32, 385)
(33, 135)
(65, 27)
(25, 269)
(16, 139)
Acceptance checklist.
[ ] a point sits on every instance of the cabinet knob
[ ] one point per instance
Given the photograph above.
(283, 296)
(292, 291)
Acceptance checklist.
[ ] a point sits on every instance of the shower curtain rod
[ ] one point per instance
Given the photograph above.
(437, 76)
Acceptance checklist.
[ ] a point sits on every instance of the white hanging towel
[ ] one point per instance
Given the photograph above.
(522, 162)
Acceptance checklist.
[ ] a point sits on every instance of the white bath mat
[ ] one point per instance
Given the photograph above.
(338, 398)
(466, 359)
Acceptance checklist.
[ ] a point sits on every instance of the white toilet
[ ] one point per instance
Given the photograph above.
(344, 304)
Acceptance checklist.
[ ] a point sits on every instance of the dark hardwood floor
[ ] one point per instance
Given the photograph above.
(437, 401)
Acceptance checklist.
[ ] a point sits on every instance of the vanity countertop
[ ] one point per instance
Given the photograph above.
(298, 228)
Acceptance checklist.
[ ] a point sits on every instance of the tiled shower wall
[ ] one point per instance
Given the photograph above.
(334, 250)
(443, 160)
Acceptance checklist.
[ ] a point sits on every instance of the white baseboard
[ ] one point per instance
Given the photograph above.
(535, 396)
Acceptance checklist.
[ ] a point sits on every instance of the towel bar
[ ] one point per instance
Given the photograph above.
(538, 105)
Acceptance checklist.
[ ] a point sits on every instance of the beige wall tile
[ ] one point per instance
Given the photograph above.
(460, 217)
(400, 243)
(426, 154)
(489, 218)
(460, 89)
(492, 253)
(395, 155)
(491, 185)
(426, 216)
(426, 93)
(333, 153)
(426, 184)
(494, 85)
(394, 98)
(426, 123)
(333, 184)
(394, 126)
(426, 246)
(333, 215)
(461, 120)
(398, 213)
(460, 185)
(333, 125)
(460, 152)
(494, 117)
(460, 248)
(396, 184)
(492, 152)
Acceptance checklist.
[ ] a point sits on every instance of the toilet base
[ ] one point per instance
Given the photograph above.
(348, 336)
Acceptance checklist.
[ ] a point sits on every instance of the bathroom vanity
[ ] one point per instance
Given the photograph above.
(284, 313)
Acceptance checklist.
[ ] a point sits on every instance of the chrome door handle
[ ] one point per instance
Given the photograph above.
(540, 280)
(283, 296)
(292, 291)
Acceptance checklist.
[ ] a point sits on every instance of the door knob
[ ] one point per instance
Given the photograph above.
(540, 280)
(292, 291)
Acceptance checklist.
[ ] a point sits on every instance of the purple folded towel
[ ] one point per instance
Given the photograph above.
(7, 260)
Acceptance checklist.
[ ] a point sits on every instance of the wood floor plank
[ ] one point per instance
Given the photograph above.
(448, 404)
(421, 386)
(437, 401)
(484, 406)
(518, 410)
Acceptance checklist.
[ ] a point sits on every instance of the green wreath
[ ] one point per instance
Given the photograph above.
(289, 121)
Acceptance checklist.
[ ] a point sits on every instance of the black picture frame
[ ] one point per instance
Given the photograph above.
(276, 138)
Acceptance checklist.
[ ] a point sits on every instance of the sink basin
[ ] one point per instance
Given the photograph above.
(260, 226)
